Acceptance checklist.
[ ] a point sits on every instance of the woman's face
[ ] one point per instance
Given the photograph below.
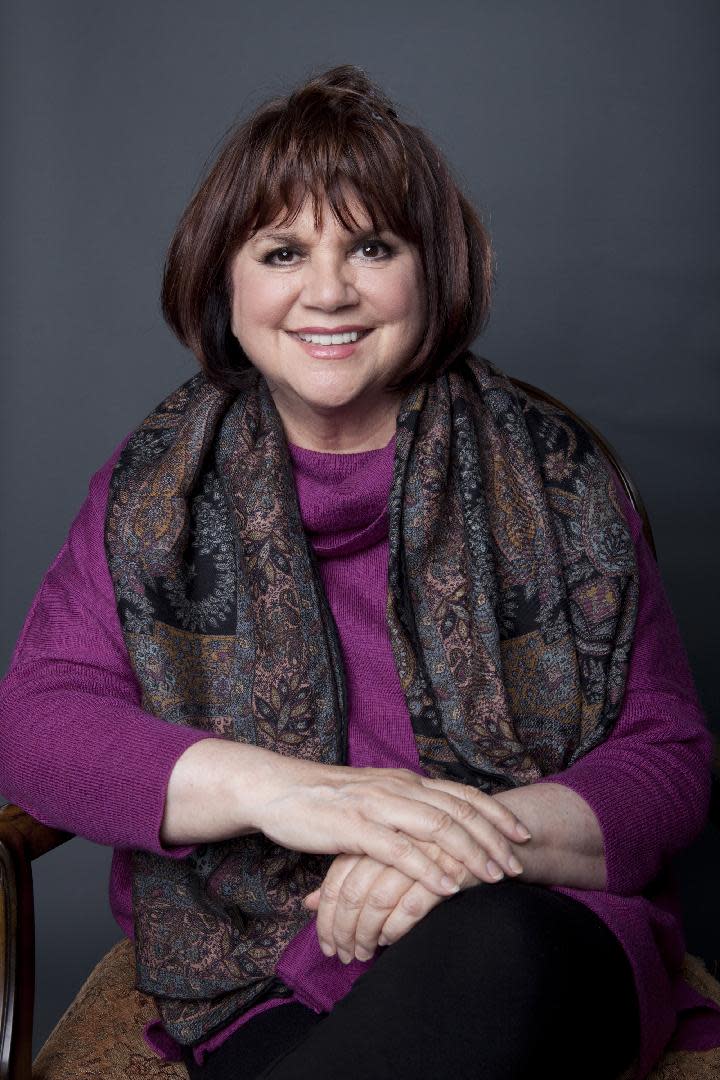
(292, 280)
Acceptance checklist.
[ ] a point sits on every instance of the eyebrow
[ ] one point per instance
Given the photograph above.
(291, 238)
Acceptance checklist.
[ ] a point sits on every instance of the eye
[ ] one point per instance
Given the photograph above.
(374, 243)
(270, 257)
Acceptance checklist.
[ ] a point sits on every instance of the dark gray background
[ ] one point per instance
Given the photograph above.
(585, 131)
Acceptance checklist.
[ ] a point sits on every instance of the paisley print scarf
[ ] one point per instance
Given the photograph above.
(512, 598)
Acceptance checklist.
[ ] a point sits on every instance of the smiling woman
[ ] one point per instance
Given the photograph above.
(363, 664)
(325, 212)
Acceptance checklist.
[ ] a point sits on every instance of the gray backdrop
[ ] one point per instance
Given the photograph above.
(586, 131)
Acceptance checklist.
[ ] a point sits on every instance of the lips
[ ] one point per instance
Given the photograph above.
(362, 330)
(329, 352)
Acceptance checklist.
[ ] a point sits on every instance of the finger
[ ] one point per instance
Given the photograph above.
(503, 818)
(398, 849)
(386, 892)
(478, 813)
(451, 866)
(413, 906)
(457, 826)
(351, 898)
(382, 898)
(329, 892)
(410, 908)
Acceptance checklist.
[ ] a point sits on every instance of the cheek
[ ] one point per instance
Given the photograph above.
(402, 298)
(258, 303)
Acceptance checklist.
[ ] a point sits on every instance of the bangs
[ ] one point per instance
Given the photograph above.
(343, 163)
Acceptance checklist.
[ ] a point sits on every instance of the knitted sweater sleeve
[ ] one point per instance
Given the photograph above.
(649, 782)
(77, 750)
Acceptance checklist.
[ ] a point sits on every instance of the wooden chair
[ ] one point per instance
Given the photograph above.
(100, 1036)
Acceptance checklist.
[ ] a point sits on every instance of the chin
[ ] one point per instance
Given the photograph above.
(329, 403)
(328, 396)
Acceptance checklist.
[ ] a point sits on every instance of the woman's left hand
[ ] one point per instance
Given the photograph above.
(363, 903)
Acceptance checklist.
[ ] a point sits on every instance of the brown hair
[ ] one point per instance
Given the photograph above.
(337, 131)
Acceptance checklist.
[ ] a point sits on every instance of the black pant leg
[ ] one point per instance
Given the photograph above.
(502, 982)
(264, 1039)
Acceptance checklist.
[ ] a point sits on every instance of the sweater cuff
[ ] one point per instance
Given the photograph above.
(650, 796)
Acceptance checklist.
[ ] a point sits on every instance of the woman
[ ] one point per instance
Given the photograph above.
(357, 656)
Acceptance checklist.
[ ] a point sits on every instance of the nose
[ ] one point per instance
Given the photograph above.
(329, 282)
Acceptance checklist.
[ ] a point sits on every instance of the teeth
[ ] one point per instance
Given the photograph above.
(331, 339)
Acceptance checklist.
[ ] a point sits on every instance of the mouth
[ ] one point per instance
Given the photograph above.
(336, 346)
(346, 337)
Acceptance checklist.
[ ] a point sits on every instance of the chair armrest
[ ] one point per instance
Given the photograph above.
(21, 840)
(37, 839)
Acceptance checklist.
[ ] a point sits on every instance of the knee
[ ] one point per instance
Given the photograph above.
(510, 928)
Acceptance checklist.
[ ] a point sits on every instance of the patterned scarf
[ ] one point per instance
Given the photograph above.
(512, 598)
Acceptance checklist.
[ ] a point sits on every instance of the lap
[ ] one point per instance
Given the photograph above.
(491, 981)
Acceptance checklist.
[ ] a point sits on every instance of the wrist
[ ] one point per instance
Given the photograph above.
(274, 776)
(254, 776)
(213, 791)
(567, 844)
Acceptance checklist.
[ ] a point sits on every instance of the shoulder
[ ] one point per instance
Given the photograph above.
(181, 419)
(520, 409)
(86, 532)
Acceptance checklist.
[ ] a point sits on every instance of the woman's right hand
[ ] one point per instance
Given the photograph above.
(332, 809)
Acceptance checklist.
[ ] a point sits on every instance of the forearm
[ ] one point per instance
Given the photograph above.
(566, 847)
(214, 792)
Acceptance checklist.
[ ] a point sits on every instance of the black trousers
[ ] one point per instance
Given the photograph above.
(500, 982)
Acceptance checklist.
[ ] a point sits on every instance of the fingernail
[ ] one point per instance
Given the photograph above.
(362, 954)
(344, 957)
(494, 870)
(449, 884)
(515, 865)
(327, 949)
(382, 940)
(523, 833)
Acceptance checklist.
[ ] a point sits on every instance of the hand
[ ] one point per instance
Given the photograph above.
(385, 813)
(363, 903)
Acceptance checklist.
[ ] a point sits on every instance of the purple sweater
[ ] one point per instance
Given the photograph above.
(80, 754)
